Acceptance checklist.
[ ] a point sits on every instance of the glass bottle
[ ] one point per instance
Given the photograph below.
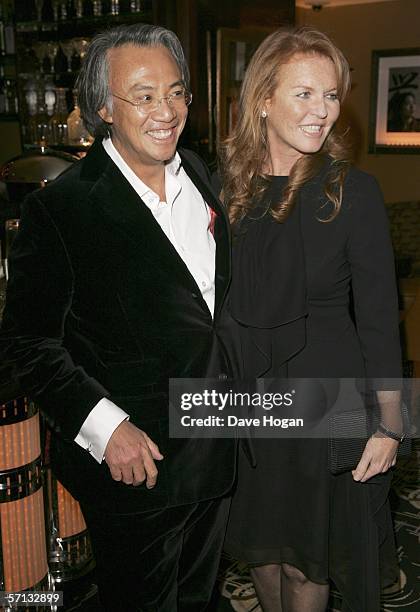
(7, 30)
(39, 124)
(2, 41)
(30, 131)
(11, 99)
(2, 91)
(77, 133)
(8, 94)
(50, 97)
(9, 38)
(58, 122)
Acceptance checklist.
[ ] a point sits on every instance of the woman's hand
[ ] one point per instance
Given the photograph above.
(379, 455)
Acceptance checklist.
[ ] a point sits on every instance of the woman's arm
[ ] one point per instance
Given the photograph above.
(376, 312)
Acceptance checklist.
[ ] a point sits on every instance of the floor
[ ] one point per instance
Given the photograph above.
(236, 592)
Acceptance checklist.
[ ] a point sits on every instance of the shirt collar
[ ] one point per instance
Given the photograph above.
(173, 166)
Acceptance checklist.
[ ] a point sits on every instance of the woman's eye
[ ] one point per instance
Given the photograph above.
(332, 96)
(304, 94)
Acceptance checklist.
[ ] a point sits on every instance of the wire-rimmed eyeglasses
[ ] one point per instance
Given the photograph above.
(149, 102)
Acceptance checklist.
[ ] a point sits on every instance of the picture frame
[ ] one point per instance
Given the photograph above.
(233, 51)
(394, 125)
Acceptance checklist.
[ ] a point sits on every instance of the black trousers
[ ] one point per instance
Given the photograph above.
(158, 561)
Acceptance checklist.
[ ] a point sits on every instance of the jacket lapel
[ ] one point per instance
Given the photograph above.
(221, 227)
(121, 207)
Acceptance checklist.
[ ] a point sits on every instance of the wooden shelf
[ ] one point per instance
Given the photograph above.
(83, 24)
(8, 117)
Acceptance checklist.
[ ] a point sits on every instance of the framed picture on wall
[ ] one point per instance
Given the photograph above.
(395, 103)
(234, 50)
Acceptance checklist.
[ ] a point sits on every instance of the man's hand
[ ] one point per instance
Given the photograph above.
(130, 455)
(379, 455)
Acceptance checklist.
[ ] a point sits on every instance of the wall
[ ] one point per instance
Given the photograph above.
(197, 23)
(358, 30)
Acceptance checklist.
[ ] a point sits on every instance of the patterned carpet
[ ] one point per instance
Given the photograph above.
(238, 593)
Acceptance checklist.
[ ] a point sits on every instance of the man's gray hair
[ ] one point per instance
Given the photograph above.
(93, 81)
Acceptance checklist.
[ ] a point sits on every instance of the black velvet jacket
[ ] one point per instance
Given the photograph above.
(99, 304)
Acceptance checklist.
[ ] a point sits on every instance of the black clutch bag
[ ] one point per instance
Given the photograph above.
(348, 433)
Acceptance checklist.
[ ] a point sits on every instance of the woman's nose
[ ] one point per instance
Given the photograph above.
(319, 108)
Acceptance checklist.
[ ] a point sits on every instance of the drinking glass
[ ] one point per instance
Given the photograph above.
(55, 7)
(40, 49)
(39, 5)
(135, 6)
(52, 50)
(68, 49)
(78, 6)
(97, 8)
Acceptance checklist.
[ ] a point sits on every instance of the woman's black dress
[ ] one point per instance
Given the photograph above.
(291, 293)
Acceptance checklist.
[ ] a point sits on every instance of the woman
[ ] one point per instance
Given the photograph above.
(401, 111)
(308, 227)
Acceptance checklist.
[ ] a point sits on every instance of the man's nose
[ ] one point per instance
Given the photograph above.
(165, 110)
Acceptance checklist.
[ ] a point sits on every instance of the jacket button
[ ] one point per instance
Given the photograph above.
(222, 376)
(194, 295)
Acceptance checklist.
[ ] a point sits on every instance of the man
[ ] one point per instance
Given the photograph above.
(117, 282)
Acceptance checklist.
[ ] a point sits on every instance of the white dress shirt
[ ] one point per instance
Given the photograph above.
(185, 219)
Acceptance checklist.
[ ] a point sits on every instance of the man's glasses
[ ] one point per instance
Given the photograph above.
(149, 102)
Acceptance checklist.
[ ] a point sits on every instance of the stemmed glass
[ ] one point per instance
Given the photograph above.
(97, 8)
(135, 6)
(52, 50)
(55, 7)
(78, 5)
(38, 5)
(41, 51)
(63, 10)
(68, 49)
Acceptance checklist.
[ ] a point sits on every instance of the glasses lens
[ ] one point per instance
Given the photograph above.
(149, 103)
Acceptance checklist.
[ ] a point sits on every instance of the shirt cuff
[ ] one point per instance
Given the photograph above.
(99, 426)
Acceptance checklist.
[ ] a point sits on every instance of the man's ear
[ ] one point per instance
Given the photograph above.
(105, 114)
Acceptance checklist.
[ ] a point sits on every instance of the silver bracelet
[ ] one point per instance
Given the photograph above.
(391, 434)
